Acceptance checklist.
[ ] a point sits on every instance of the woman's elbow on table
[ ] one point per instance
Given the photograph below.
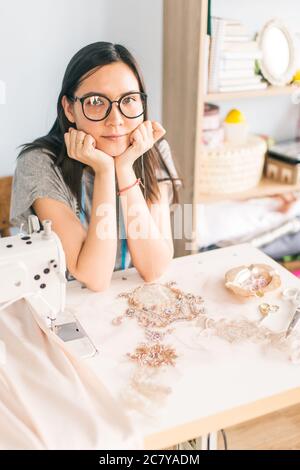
(156, 272)
(92, 283)
(95, 284)
(98, 287)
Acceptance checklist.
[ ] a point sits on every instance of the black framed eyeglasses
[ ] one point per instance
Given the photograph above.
(97, 107)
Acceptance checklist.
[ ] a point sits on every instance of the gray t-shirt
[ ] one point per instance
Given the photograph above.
(36, 176)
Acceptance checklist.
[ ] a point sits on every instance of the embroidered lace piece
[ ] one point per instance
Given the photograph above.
(154, 355)
(243, 330)
(145, 391)
(155, 307)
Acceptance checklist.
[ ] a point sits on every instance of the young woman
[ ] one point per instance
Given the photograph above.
(103, 174)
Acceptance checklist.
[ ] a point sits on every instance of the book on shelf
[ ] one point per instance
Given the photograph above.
(232, 26)
(246, 73)
(225, 56)
(255, 86)
(251, 46)
(237, 64)
(240, 81)
(218, 32)
(238, 38)
(235, 29)
(242, 55)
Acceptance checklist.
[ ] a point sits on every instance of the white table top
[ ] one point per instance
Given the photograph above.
(214, 384)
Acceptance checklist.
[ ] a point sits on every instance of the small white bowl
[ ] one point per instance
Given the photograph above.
(236, 133)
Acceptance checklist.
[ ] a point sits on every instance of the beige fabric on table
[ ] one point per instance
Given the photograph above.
(48, 398)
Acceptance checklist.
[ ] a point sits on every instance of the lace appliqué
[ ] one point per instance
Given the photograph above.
(243, 330)
(144, 392)
(155, 307)
(154, 355)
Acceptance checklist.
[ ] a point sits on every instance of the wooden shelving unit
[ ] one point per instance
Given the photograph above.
(265, 188)
(185, 28)
(269, 91)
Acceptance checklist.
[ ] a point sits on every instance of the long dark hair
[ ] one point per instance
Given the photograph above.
(82, 65)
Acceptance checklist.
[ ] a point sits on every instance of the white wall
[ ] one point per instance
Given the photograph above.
(276, 116)
(137, 24)
(37, 40)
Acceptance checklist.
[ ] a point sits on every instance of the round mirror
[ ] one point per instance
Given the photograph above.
(278, 54)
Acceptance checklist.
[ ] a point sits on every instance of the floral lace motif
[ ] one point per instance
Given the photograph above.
(236, 331)
(155, 307)
(154, 355)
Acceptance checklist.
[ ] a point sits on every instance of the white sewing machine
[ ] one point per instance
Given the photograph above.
(33, 267)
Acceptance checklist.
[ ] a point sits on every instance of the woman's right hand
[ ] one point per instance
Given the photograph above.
(82, 147)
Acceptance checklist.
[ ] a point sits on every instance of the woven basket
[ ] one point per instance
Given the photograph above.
(232, 168)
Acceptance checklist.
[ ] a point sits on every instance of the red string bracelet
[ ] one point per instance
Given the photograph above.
(138, 181)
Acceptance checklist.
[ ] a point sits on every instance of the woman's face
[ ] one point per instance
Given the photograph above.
(112, 80)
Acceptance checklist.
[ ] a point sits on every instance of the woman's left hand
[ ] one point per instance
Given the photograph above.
(286, 201)
(141, 139)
